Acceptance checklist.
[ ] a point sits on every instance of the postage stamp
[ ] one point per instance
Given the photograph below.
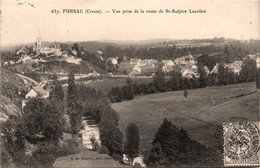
(241, 143)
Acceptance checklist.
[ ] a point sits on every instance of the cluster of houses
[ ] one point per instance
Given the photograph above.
(187, 65)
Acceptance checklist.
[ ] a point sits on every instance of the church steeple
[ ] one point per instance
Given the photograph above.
(38, 43)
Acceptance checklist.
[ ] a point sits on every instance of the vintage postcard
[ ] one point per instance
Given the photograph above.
(129, 83)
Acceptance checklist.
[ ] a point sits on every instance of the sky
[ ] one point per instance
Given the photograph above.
(22, 20)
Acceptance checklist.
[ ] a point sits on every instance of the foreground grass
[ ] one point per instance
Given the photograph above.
(200, 113)
(86, 158)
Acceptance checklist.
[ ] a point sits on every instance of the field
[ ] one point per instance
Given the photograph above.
(106, 84)
(200, 113)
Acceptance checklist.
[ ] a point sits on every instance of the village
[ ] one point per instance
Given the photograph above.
(46, 52)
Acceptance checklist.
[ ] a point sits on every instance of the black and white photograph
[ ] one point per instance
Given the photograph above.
(129, 83)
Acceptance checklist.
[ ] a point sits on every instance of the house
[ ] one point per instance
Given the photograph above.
(37, 91)
(206, 69)
(23, 51)
(167, 62)
(73, 60)
(6, 63)
(250, 56)
(167, 68)
(111, 61)
(127, 67)
(151, 67)
(65, 53)
(25, 58)
(99, 52)
(187, 59)
(74, 52)
(234, 67)
(98, 56)
(189, 74)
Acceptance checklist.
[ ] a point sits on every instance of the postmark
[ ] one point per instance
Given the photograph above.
(241, 143)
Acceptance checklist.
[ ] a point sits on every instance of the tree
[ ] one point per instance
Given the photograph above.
(172, 147)
(258, 79)
(221, 75)
(57, 93)
(203, 77)
(156, 156)
(110, 135)
(185, 93)
(248, 70)
(132, 142)
(74, 109)
(116, 94)
(13, 135)
(174, 81)
(128, 90)
(159, 81)
(42, 120)
(76, 48)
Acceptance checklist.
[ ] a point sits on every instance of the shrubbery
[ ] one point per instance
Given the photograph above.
(104, 150)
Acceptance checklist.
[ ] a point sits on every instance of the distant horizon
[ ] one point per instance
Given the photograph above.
(122, 41)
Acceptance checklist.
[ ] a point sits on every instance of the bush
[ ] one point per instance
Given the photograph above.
(6, 158)
(104, 150)
(68, 148)
(67, 126)
(117, 157)
(47, 159)
(72, 142)
(137, 165)
(94, 143)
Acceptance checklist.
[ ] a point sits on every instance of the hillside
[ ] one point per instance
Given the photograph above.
(11, 85)
(8, 108)
(201, 113)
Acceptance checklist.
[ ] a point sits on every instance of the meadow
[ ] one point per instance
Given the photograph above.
(106, 84)
(200, 114)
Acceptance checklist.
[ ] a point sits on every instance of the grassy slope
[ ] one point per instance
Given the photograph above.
(200, 114)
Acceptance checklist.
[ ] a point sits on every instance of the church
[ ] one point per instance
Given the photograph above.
(47, 48)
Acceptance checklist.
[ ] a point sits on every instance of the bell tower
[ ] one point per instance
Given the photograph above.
(38, 46)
